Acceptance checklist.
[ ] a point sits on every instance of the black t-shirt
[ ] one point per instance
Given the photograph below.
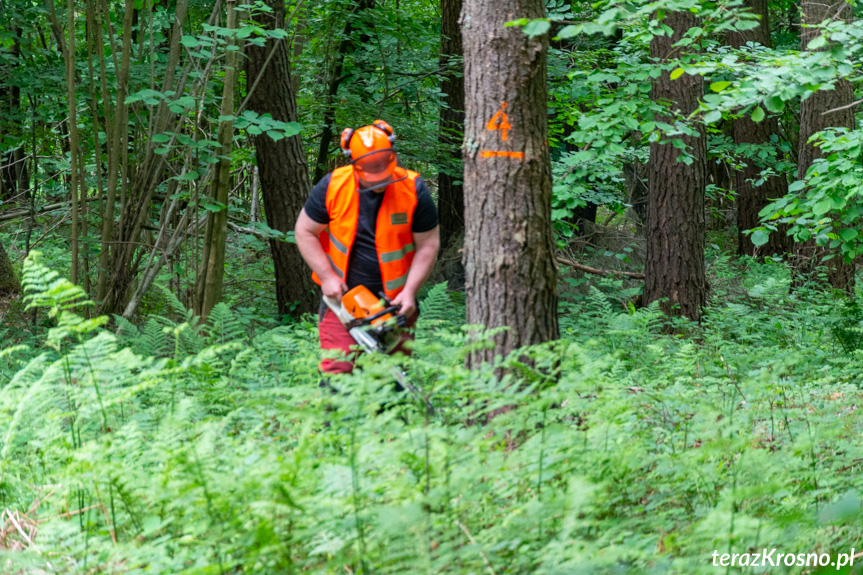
(363, 267)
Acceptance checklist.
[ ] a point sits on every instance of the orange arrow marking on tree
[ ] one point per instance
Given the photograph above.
(501, 154)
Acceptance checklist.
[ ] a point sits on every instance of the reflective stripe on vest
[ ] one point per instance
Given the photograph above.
(339, 245)
(396, 283)
(393, 237)
(335, 267)
(398, 254)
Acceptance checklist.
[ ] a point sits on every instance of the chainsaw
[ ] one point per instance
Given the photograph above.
(375, 325)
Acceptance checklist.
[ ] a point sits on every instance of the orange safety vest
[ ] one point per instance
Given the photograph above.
(393, 237)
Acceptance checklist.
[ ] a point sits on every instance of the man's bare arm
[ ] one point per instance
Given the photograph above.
(427, 246)
(306, 232)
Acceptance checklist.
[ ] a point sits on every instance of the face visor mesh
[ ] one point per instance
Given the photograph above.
(376, 166)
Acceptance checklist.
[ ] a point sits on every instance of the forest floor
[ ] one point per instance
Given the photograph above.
(167, 448)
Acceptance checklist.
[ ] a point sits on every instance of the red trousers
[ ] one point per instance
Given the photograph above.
(334, 335)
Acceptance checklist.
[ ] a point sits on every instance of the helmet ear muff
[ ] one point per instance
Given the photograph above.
(345, 141)
(386, 129)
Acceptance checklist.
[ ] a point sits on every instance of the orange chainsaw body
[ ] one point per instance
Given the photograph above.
(361, 303)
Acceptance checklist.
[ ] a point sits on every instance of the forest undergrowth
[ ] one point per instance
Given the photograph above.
(625, 447)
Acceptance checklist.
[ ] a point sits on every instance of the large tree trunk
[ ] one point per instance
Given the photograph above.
(511, 275)
(450, 188)
(807, 255)
(751, 199)
(675, 271)
(283, 170)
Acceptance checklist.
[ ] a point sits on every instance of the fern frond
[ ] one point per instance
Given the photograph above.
(44, 287)
(223, 325)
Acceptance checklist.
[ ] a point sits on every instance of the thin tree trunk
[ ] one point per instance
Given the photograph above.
(13, 166)
(255, 210)
(213, 263)
(346, 46)
(750, 198)
(298, 42)
(68, 49)
(150, 171)
(807, 255)
(511, 273)
(451, 174)
(119, 125)
(675, 270)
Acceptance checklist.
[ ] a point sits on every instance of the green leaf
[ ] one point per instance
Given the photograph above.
(212, 206)
(759, 237)
(190, 42)
(537, 28)
(712, 116)
(816, 43)
(568, 32)
(758, 114)
(774, 104)
(161, 138)
(275, 135)
(193, 175)
(848, 234)
(719, 86)
(822, 207)
(676, 74)
(291, 128)
(519, 22)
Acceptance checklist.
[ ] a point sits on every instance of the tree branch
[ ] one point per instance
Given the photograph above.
(598, 272)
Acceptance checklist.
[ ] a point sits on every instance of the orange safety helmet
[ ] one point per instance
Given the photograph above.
(371, 153)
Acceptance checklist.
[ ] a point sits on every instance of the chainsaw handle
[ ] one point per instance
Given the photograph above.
(383, 312)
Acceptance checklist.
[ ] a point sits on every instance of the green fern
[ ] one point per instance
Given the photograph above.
(44, 287)
(438, 308)
(223, 326)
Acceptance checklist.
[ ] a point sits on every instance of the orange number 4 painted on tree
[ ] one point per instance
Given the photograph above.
(500, 122)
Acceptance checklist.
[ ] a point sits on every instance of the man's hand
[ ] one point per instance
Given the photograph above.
(333, 287)
(408, 303)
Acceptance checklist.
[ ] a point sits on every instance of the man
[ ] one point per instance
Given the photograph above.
(369, 223)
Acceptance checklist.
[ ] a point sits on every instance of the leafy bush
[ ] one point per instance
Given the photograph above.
(617, 449)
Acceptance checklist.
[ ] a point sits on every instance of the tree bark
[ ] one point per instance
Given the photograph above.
(213, 261)
(451, 173)
(136, 211)
(511, 273)
(807, 255)
(118, 124)
(751, 199)
(74, 142)
(13, 166)
(282, 165)
(8, 281)
(675, 270)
